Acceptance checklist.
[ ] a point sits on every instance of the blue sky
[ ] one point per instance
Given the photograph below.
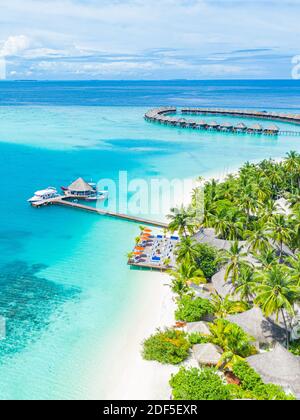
(149, 39)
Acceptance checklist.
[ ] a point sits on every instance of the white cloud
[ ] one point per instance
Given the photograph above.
(14, 45)
(167, 38)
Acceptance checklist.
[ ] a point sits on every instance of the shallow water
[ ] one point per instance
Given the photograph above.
(64, 279)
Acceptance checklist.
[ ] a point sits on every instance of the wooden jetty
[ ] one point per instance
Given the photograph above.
(164, 116)
(62, 201)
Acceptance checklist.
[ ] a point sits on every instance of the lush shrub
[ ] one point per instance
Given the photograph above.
(295, 348)
(194, 384)
(248, 377)
(167, 347)
(232, 339)
(253, 383)
(192, 309)
(197, 338)
(207, 260)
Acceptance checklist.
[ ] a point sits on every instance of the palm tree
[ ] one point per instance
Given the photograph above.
(295, 222)
(267, 258)
(181, 222)
(234, 260)
(257, 238)
(187, 273)
(245, 285)
(280, 231)
(247, 202)
(276, 293)
(186, 250)
(292, 166)
(226, 306)
(294, 263)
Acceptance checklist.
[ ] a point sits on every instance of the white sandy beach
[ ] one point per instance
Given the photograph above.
(129, 376)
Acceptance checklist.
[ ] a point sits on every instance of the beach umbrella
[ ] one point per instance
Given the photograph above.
(140, 248)
(147, 230)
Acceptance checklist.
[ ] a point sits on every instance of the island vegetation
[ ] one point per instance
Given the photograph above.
(257, 213)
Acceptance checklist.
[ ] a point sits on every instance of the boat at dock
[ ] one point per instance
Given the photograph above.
(44, 195)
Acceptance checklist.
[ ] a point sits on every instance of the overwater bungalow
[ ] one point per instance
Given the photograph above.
(256, 128)
(226, 126)
(182, 122)
(272, 130)
(213, 125)
(240, 128)
(202, 124)
(192, 123)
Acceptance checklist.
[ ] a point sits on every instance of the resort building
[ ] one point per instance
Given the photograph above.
(80, 189)
(278, 367)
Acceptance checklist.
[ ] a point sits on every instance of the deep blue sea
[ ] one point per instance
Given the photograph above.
(64, 280)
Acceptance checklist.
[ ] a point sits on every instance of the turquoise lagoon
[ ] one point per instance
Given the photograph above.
(65, 284)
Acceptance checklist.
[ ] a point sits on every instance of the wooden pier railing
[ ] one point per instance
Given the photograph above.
(61, 201)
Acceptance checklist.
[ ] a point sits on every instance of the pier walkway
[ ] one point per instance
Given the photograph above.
(61, 201)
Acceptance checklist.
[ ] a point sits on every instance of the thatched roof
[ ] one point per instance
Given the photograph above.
(273, 127)
(257, 127)
(223, 288)
(213, 124)
(80, 185)
(198, 327)
(202, 122)
(279, 367)
(241, 126)
(283, 206)
(207, 354)
(227, 125)
(257, 326)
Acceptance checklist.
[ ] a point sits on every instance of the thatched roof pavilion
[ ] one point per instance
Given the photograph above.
(240, 126)
(227, 125)
(213, 124)
(273, 128)
(207, 354)
(257, 326)
(256, 127)
(80, 186)
(279, 367)
(224, 288)
(198, 327)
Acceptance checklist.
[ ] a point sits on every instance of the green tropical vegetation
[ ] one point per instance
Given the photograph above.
(167, 347)
(195, 384)
(205, 384)
(254, 387)
(258, 212)
(192, 309)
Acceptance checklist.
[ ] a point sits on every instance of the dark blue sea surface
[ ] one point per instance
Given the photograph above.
(240, 93)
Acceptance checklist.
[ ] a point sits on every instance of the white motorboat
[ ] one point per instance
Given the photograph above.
(43, 195)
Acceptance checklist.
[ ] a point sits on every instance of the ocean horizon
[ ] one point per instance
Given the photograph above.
(65, 283)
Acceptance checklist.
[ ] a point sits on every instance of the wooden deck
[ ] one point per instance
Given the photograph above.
(151, 267)
(61, 201)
